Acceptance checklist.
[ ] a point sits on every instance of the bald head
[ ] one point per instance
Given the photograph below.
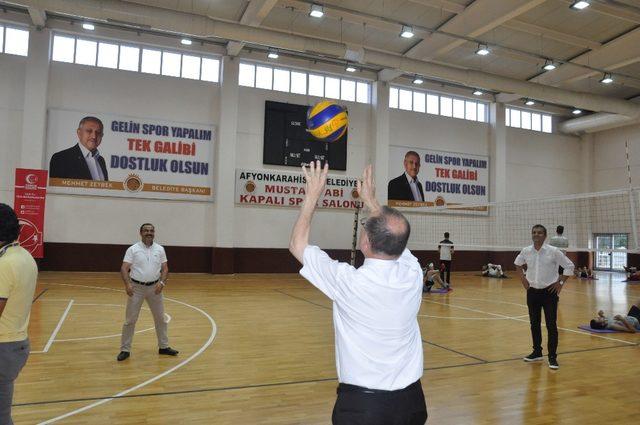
(388, 232)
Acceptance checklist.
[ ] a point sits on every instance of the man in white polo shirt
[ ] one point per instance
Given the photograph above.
(543, 285)
(378, 342)
(144, 272)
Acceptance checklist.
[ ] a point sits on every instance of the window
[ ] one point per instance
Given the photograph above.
(528, 120)
(264, 77)
(1, 38)
(16, 41)
(298, 82)
(316, 85)
(67, 48)
(362, 92)
(281, 80)
(546, 123)
(458, 108)
(151, 61)
(191, 67)
(393, 98)
(86, 51)
(406, 99)
(171, 64)
(332, 87)
(348, 90)
(470, 110)
(419, 101)
(247, 75)
(482, 112)
(129, 58)
(446, 105)
(432, 104)
(63, 48)
(210, 70)
(107, 55)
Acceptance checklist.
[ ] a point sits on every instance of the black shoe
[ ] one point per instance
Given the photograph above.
(553, 364)
(123, 355)
(168, 351)
(533, 357)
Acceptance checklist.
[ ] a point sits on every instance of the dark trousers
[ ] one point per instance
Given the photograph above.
(361, 406)
(13, 356)
(538, 300)
(447, 269)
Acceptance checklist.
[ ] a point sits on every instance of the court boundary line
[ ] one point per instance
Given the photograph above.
(214, 331)
(304, 299)
(39, 295)
(278, 384)
(57, 328)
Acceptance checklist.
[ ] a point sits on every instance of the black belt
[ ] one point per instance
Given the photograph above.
(145, 283)
(348, 388)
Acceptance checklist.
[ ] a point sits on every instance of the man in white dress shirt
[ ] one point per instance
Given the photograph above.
(144, 273)
(543, 285)
(377, 337)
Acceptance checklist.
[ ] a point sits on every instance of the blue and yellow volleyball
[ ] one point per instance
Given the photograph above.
(327, 121)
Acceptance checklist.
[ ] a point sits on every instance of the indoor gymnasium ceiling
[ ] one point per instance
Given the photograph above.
(521, 35)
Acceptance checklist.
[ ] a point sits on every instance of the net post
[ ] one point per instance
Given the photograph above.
(632, 201)
(354, 240)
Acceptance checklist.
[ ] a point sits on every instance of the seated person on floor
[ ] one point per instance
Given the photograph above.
(632, 273)
(584, 273)
(492, 270)
(431, 277)
(628, 323)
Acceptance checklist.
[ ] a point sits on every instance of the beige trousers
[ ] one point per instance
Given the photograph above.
(134, 304)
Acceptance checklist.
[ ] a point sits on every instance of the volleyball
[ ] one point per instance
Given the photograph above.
(327, 121)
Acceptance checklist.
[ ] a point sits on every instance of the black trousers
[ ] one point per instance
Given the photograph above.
(538, 300)
(447, 269)
(361, 406)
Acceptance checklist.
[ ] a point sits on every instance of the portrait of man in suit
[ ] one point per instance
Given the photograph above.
(407, 187)
(82, 161)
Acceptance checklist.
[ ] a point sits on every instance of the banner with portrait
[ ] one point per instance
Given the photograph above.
(116, 155)
(420, 178)
(285, 189)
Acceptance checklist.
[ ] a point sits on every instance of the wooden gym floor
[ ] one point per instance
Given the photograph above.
(258, 349)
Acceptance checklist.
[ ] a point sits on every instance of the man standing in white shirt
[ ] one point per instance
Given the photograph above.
(445, 248)
(543, 285)
(377, 337)
(144, 273)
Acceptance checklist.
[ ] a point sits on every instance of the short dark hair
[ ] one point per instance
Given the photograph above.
(539, 226)
(594, 324)
(382, 239)
(414, 153)
(446, 235)
(147, 224)
(91, 119)
(560, 230)
(9, 225)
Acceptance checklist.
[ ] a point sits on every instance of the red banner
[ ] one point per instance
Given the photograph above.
(30, 192)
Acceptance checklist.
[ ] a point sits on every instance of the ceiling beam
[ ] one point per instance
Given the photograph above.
(619, 11)
(254, 14)
(572, 40)
(38, 16)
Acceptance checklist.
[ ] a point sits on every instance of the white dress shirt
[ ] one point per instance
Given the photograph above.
(146, 261)
(375, 307)
(445, 247)
(414, 188)
(542, 265)
(559, 242)
(92, 162)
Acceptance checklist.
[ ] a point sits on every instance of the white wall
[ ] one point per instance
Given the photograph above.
(541, 164)
(12, 72)
(610, 164)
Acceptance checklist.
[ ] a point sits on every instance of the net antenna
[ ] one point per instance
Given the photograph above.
(354, 241)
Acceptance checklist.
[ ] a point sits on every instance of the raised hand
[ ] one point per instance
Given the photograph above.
(367, 189)
(316, 178)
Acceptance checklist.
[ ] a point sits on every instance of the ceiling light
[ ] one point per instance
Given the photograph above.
(407, 32)
(548, 65)
(317, 11)
(186, 42)
(418, 80)
(483, 50)
(579, 5)
(351, 68)
(576, 111)
(273, 55)
(88, 26)
(478, 92)
(607, 79)
(529, 102)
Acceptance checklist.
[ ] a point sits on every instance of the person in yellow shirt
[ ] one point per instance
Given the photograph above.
(18, 275)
